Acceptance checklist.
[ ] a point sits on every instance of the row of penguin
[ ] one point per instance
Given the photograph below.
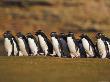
(59, 45)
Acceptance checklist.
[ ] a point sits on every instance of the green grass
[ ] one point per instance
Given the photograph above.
(47, 69)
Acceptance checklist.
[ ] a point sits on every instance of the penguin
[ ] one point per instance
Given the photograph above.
(23, 44)
(32, 44)
(45, 43)
(16, 49)
(88, 46)
(8, 43)
(40, 52)
(107, 40)
(73, 45)
(101, 46)
(64, 47)
(81, 49)
(55, 43)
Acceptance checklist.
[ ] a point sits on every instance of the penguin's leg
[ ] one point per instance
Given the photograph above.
(46, 52)
(9, 52)
(58, 54)
(78, 54)
(87, 55)
(35, 52)
(72, 55)
(20, 53)
(104, 55)
(53, 54)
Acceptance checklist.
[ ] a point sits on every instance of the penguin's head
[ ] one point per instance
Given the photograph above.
(99, 35)
(70, 34)
(7, 34)
(53, 34)
(83, 35)
(19, 35)
(29, 35)
(62, 35)
(39, 32)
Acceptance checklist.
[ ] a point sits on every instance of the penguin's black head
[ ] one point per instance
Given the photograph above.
(70, 34)
(62, 35)
(7, 34)
(99, 35)
(83, 35)
(19, 35)
(39, 32)
(29, 35)
(53, 34)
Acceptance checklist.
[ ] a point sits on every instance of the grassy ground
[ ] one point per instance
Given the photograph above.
(46, 69)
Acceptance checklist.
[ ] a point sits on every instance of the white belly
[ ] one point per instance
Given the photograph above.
(102, 48)
(43, 44)
(87, 48)
(55, 44)
(22, 47)
(33, 46)
(71, 44)
(8, 46)
(72, 48)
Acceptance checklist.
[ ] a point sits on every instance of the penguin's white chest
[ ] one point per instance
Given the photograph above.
(56, 47)
(42, 42)
(102, 48)
(8, 45)
(101, 45)
(55, 42)
(86, 44)
(72, 47)
(22, 46)
(87, 47)
(71, 44)
(32, 45)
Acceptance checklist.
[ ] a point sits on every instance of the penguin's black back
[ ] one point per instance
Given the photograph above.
(81, 49)
(49, 44)
(64, 47)
(27, 45)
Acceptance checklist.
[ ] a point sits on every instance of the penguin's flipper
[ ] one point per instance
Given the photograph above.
(11, 41)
